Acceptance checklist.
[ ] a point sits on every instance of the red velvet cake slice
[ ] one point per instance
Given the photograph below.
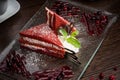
(42, 38)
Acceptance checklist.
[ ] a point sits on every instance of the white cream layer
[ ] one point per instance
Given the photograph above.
(68, 45)
(33, 47)
(65, 44)
(35, 41)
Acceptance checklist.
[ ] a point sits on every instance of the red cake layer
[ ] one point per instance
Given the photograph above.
(42, 32)
(42, 50)
(42, 38)
(55, 21)
(26, 40)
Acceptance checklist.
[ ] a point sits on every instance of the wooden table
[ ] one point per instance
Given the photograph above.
(108, 56)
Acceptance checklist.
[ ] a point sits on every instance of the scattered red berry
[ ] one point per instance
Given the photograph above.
(112, 77)
(65, 8)
(94, 22)
(101, 76)
(64, 72)
(14, 63)
(92, 78)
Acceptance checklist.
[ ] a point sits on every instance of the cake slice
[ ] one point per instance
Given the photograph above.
(42, 39)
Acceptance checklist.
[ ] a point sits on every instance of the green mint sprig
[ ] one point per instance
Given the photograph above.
(63, 32)
(71, 38)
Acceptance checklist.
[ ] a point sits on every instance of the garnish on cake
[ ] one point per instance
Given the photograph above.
(65, 31)
(45, 38)
(69, 40)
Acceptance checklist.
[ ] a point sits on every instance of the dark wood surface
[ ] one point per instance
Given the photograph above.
(108, 56)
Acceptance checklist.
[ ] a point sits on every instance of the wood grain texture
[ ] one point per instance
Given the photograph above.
(106, 72)
(107, 56)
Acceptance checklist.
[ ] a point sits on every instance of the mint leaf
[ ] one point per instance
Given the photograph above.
(74, 33)
(73, 41)
(63, 32)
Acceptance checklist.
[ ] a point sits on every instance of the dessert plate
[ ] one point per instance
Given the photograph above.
(12, 8)
(90, 44)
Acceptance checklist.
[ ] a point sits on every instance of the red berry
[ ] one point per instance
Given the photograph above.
(101, 76)
(112, 77)
(104, 17)
(97, 22)
(69, 13)
(92, 78)
(65, 9)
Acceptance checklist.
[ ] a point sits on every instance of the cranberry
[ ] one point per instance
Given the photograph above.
(97, 22)
(101, 76)
(67, 72)
(69, 13)
(92, 78)
(65, 8)
(104, 17)
(112, 77)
